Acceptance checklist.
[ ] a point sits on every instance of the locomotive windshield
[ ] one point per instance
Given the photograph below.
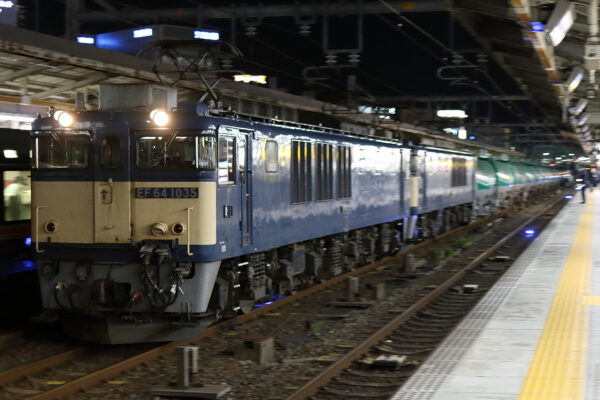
(176, 152)
(61, 151)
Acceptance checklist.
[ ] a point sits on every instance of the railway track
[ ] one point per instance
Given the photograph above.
(71, 387)
(408, 339)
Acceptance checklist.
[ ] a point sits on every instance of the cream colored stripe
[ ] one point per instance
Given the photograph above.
(559, 363)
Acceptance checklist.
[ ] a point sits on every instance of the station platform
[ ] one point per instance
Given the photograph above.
(536, 334)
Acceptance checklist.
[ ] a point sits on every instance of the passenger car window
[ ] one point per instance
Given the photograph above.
(110, 152)
(271, 156)
(17, 195)
(61, 151)
(226, 160)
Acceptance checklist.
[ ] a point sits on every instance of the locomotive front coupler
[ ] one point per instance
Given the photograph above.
(161, 250)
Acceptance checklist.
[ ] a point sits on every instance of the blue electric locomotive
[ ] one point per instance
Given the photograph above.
(150, 225)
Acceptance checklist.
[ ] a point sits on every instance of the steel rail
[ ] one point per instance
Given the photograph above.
(17, 373)
(72, 387)
(311, 387)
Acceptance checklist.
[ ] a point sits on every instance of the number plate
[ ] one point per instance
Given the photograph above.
(166, 193)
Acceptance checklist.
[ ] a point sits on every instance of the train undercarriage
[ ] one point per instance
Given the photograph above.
(118, 313)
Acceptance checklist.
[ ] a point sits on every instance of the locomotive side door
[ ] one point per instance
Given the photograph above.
(112, 186)
(244, 150)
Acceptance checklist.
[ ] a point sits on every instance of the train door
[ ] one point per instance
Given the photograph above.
(244, 149)
(112, 187)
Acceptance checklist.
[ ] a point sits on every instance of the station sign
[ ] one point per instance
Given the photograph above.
(8, 12)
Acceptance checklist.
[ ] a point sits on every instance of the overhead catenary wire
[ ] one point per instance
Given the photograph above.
(449, 50)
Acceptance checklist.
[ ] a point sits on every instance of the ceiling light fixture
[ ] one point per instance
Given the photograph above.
(561, 20)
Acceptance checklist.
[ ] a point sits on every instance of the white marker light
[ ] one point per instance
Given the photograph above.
(85, 40)
(561, 20)
(262, 79)
(144, 32)
(10, 153)
(451, 114)
(462, 133)
(159, 117)
(206, 35)
(546, 154)
(65, 119)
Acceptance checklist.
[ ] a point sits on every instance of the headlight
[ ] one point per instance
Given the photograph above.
(159, 117)
(64, 118)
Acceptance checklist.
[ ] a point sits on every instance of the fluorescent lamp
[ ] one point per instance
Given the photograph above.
(10, 153)
(560, 22)
(6, 4)
(262, 79)
(583, 119)
(546, 154)
(85, 40)
(579, 107)
(462, 133)
(16, 118)
(574, 79)
(144, 32)
(451, 114)
(206, 35)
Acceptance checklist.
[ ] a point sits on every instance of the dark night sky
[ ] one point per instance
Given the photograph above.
(393, 61)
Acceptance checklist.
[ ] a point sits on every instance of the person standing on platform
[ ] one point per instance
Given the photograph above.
(593, 178)
(583, 179)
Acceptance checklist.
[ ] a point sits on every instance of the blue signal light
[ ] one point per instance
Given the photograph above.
(144, 32)
(472, 138)
(86, 40)
(28, 241)
(529, 232)
(537, 26)
(206, 35)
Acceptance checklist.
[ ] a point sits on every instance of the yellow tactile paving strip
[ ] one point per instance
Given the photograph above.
(558, 368)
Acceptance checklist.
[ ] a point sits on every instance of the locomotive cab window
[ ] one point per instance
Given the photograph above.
(17, 195)
(226, 160)
(176, 152)
(110, 152)
(61, 151)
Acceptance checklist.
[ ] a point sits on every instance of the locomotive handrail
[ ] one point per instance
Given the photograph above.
(37, 229)
(189, 253)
